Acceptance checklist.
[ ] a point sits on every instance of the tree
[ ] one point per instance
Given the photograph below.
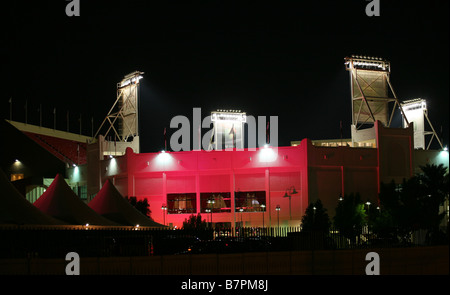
(435, 190)
(142, 205)
(316, 218)
(415, 203)
(350, 216)
(195, 222)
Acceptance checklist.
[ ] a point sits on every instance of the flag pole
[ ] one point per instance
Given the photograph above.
(165, 140)
(10, 108)
(26, 111)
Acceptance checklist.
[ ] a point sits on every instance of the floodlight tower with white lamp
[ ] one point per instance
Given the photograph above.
(372, 93)
(122, 119)
(370, 85)
(416, 111)
(228, 129)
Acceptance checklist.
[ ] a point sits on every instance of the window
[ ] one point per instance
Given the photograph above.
(217, 202)
(181, 203)
(15, 177)
(250, 201)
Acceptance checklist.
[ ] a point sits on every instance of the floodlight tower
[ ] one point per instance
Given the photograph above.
(123, 117)
(372, 93)
(416, 111)
(228, 129)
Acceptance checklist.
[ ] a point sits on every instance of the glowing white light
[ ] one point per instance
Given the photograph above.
(228, 116)
(268, 154)
(132, 80)
(112, 167)
(164, 158)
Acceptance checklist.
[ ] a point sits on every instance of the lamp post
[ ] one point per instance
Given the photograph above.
(211, 203)
(289, 192)
(207, 211)
(368, 211)
(164, 208)
(278, 208)
(241, 210)
(263, 211)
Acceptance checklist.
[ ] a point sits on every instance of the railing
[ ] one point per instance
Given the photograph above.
(49, 242)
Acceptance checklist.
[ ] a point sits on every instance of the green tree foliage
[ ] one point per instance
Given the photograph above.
(195, 222)
(350, 216)
(142, 205)
(316, 218)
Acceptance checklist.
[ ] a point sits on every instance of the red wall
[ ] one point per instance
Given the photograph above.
(323, 173)
(314, 172)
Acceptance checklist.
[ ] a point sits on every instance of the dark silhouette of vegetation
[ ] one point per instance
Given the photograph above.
(195, 222)
(350, 216)
(316, 218)
(142, 205)
(414, 205)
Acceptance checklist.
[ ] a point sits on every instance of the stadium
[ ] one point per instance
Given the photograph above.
(230, 185)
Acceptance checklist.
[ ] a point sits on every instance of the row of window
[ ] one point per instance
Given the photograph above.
(220, 202)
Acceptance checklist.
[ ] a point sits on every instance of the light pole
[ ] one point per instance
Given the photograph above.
(263, 211)
(278, 208)
(164, 208)
(211, 202)
(241, 210)
(207, 211)
(291, 191)
(314, 215)
(368, 212)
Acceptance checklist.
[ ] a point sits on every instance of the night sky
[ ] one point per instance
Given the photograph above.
(268, 58)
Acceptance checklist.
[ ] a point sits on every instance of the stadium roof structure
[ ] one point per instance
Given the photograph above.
(69, 147)
(61, 202)
(15, 209)
(112, 205)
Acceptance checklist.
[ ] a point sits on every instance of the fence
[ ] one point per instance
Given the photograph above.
(54, 242)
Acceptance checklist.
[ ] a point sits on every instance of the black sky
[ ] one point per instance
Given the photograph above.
(269, 58)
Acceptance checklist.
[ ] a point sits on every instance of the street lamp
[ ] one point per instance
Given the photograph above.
(368, 209)
(164, 208)
(278, 208)
(211, 202)
(263, 211)
(288, 195)
(207, 211)
(241, 210)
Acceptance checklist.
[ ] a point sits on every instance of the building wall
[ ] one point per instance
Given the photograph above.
(272, 172)
(183, 181)
(395, 149)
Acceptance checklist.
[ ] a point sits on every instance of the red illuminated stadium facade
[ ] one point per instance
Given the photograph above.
(245, 187)
(261, 187)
